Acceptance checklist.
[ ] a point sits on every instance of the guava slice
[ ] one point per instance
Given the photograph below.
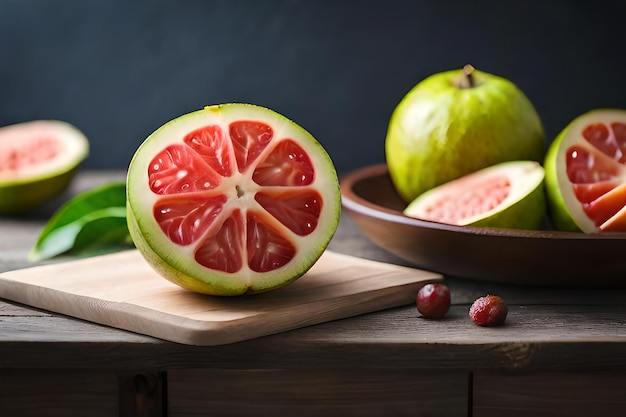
(586, 173)
(507, 195)
(38, 160)
(232, 199)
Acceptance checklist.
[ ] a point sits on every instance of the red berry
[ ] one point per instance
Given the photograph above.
(489, 310)
(433, 300)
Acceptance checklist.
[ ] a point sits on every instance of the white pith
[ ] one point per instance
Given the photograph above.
(74, 148)
(141, 199)
(574, 136)
(524, 177)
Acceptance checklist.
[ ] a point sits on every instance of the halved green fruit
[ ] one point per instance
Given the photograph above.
(457, 122)
(232, 199)
(37, 162)
(586, 173)
(507, 195)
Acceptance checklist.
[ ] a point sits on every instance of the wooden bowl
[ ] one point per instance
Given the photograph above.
(530, 257)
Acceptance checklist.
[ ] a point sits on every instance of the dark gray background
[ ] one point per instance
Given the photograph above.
(118, 69)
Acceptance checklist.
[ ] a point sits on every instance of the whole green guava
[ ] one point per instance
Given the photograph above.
(458, 122)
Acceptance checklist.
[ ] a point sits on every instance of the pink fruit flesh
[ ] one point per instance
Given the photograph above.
(192, 206)
(31, 153)
(595, 173)
(478, 198)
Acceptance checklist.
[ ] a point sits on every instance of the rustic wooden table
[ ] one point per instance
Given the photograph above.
(561, 352)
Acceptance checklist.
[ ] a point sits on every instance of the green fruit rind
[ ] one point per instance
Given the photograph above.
(20, 197)
(570, 216)
(439, 132)
(557, 209)
(524, 208)
(177, 264)
(29, 188)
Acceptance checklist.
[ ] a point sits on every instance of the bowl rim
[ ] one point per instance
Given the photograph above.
(357, 204)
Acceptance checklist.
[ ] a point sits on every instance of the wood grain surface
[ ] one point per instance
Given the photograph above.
(561, 352)
(121, 290)
(317, 392)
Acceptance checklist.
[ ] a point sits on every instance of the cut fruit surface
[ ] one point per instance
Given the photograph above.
(586, 173)
(38, 159)
(232, 199)
(507, 195)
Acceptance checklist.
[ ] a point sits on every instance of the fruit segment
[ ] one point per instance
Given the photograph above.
(222, 250)
(608, 139)
(268, 248)
(299, 211)
(585, 166)
(210, 143)
(586, 193)
(607, 205)
(249, 138)
(178, 169)
(185, 220)
(288, 164)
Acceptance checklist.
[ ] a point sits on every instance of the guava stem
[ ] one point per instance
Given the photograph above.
(468, 71)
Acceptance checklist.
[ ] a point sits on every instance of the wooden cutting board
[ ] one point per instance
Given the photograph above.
(121, 290)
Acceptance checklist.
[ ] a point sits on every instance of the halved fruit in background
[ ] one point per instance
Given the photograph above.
(38, 160)
(232, 199)
(508, 195)
(586, 173)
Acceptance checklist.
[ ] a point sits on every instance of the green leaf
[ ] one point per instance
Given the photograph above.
(92, 221)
